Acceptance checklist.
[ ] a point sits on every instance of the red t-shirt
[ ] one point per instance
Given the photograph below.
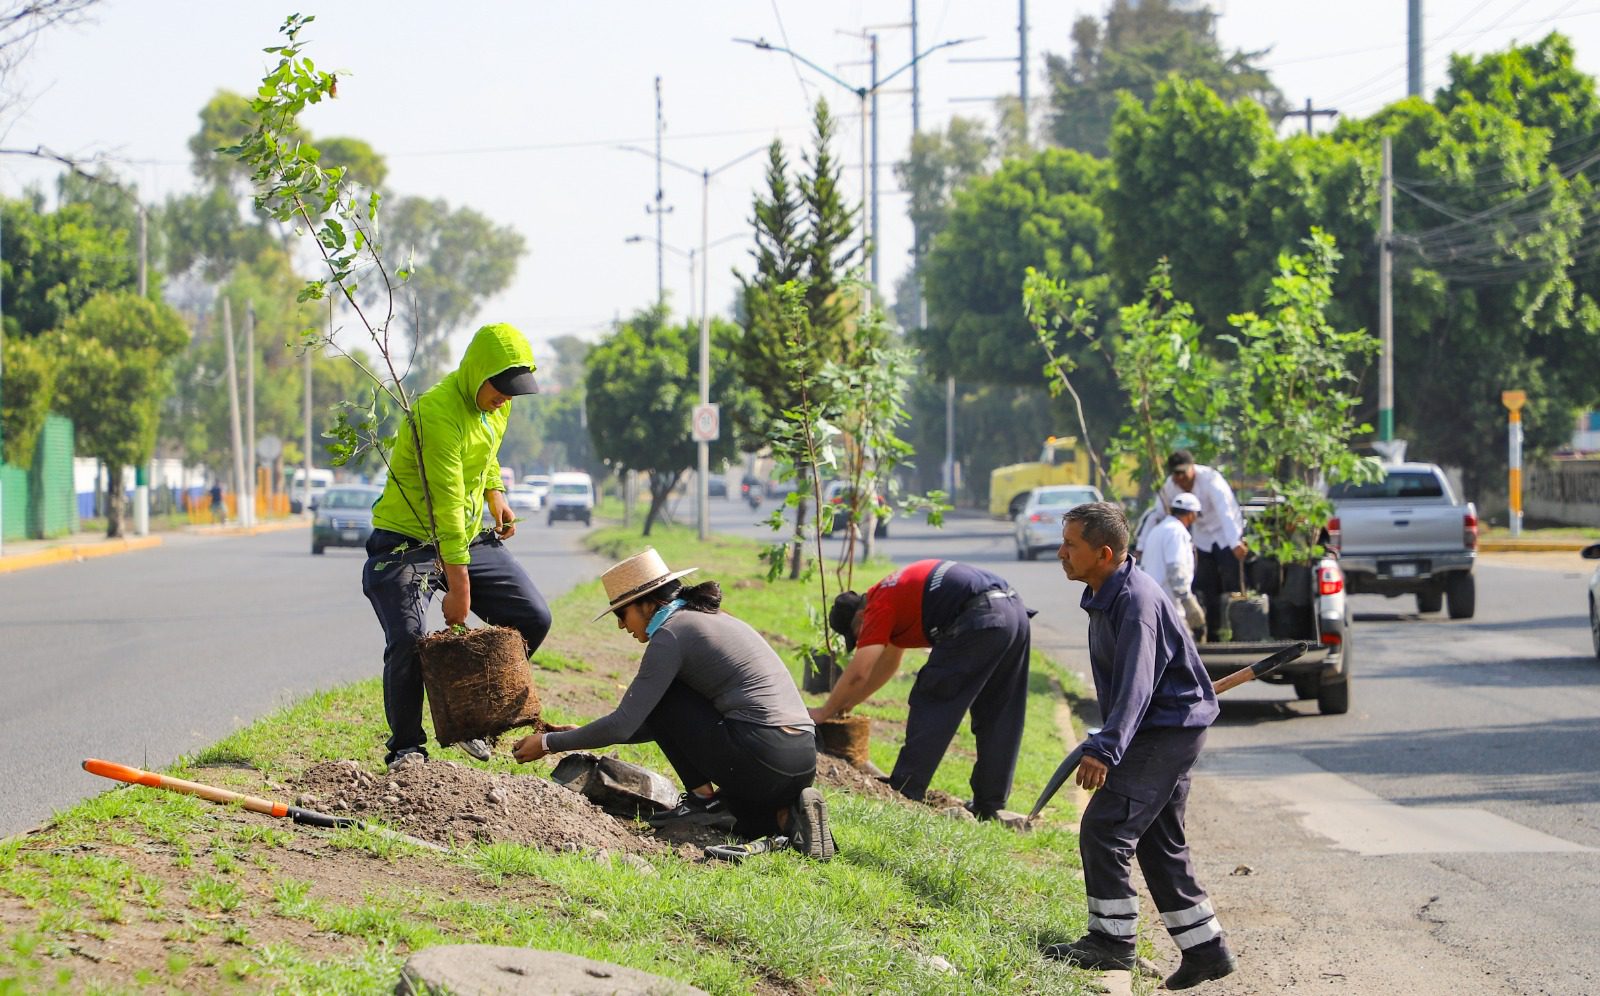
(894, 609)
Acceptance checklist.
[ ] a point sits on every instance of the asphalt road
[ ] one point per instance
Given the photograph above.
(144, 657)
(1465, 780)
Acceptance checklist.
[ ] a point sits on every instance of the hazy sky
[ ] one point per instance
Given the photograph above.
(519, 109)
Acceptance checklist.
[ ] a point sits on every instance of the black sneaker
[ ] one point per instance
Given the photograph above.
(808, 826)
(738, 852)
(981, 815)
(1198, 967)
(1097, 955)
(694, 811)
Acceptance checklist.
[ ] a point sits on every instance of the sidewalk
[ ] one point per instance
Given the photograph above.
(19, 555)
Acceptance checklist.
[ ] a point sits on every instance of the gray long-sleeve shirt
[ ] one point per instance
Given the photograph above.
(716, 655)
(1147, 672)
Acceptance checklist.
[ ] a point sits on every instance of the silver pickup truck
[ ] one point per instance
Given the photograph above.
(1407, 534)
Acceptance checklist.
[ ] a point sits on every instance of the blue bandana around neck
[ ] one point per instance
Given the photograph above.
(662, 615)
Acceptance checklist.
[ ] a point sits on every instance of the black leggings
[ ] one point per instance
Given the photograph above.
(758, 770)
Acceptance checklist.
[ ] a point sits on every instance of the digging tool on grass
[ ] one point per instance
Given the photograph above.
(267, 807)
(1267, 665)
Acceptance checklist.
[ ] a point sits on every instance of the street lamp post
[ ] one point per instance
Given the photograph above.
(703, 463)
(863, 94)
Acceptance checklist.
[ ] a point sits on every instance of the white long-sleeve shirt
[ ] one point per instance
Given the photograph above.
(1167, 554)
(1220, 523)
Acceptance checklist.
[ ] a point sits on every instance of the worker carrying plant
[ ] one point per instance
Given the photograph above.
(980, 635)
(462, 420)
(1156, 703)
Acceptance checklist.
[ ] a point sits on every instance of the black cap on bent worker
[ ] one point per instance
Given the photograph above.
(515, 381)
(635, 578)
(842, 617)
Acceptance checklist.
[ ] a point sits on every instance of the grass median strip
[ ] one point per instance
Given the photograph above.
(142, 889)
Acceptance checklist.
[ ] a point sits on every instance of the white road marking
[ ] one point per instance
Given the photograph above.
(1358, 820)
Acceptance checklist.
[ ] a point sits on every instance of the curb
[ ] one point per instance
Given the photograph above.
(266, 527)
(1531, 546)
(79, 551)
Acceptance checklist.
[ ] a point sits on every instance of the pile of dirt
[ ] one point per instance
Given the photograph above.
(834, 772)
(452, 804)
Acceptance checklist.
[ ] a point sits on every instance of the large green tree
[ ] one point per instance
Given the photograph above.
(1140, 44)
(641, 388)
(115, 355)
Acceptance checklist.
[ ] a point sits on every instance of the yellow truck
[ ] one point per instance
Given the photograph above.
(1062, 461)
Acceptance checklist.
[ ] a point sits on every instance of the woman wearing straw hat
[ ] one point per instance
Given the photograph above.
(721, 706)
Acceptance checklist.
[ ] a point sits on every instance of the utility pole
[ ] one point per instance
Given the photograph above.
(233, 410)
(660, 208)
(1022, 65)
(1311, 112)
(305, 499)
(250, 404)
(873, 40)
(1386, 296)
(142, 473)
(1414, 49)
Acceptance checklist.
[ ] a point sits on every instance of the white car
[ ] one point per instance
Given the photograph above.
(1592, 552)
(540, 483)
(524, 500)
(1038, 525)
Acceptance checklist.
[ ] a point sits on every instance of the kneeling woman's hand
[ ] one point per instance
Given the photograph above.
(531, 747)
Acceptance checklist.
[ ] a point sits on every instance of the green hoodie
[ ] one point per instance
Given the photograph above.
(459, 446)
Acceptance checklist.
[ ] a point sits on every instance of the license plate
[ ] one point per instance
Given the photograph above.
(350, 535)
(1403, 570)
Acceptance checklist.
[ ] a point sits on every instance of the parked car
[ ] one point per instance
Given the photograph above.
(1407, 534)
(1592, 552)
(344, 516)
(842, 495)
(1305, 603)
(571, 497)
(1037, 524)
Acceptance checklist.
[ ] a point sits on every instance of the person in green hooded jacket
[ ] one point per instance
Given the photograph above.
(462, 420)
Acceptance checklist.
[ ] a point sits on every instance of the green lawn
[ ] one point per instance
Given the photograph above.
(137, 889)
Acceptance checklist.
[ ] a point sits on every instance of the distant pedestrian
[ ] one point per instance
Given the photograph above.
(1167, 554)
(219, 512)
(1219, 546)
(1155, 705)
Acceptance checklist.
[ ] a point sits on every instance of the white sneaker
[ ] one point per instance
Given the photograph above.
(477, 748)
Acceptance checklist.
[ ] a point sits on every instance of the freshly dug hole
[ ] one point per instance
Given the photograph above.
(846, 737)
(478, 683)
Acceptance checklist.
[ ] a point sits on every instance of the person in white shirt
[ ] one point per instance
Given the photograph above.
(1219, 545)
(1167, 555)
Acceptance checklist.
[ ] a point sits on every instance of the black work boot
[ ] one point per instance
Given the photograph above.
(1093, 952)
(1203, 964)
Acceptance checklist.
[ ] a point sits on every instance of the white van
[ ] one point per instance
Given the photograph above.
(571, 497)
(321, 480)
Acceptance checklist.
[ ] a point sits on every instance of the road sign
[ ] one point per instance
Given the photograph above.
(268, 448)
(1514, 400)
(706, 423)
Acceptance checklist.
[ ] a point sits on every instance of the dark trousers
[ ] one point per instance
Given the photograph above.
(1140, 812)
(1216, 571)
(757, 770)
(980, 664)
(400, 586)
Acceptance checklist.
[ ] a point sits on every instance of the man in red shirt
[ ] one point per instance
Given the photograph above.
(978, 630)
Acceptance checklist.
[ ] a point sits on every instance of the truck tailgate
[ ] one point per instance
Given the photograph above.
(1377, 527)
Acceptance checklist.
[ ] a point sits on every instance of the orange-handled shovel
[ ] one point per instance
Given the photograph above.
(267, 807)
(1267, 665)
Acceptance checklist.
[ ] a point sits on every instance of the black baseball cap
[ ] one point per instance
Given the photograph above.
(842, 617)
(515, 381)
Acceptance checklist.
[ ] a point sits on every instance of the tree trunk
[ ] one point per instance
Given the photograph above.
(661, 485)
(797, 549)
(113, 500)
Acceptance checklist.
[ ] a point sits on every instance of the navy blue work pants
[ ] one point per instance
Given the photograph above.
(1139, 812)
(981, 665)
(401, 584)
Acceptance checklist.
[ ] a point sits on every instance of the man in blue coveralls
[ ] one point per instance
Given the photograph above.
(1156, 702)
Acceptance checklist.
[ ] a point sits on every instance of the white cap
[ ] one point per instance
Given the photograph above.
(1186, 502)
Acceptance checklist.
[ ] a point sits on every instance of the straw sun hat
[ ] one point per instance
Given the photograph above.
(635, 578)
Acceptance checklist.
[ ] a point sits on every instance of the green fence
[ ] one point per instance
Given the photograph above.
(41, 502)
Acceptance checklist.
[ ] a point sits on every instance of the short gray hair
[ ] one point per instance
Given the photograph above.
(1104, 524)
